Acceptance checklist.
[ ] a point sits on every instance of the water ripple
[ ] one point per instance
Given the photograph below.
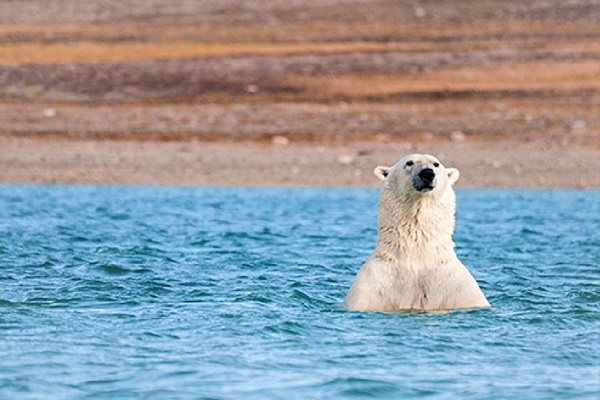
(133, 292)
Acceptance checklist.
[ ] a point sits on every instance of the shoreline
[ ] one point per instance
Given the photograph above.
(483, 164)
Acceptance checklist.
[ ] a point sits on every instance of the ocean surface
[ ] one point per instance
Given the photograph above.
(235, 293)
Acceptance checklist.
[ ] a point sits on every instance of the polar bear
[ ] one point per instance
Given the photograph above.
(414, 266)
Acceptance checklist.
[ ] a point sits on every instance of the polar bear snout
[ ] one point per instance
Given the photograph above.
(427, 175)
(424, 180)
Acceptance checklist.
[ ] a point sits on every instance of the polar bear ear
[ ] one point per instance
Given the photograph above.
(382, 172)
(453, 175)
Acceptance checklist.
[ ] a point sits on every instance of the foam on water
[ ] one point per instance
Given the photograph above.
(141, 292)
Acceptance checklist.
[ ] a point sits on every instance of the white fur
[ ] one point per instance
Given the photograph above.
(414, 266)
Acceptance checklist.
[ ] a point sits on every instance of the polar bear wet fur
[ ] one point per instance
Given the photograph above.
(414, 266)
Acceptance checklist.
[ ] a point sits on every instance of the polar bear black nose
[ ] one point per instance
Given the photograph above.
(427, 175)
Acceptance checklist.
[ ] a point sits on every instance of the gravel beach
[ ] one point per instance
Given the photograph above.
(298, 93)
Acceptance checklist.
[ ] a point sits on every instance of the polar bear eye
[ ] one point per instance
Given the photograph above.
(436, 164)
(409, 163)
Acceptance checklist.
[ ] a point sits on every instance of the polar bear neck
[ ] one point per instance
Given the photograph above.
(416, 229)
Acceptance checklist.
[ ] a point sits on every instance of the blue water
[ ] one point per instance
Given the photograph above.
(192, 293)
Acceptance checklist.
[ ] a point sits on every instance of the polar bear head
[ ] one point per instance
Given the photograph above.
(417, 175)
